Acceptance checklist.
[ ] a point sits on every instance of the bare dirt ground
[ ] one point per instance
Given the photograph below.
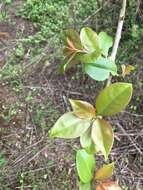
(33, 161)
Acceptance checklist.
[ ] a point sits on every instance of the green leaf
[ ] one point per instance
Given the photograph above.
(69, 126)
(2, 160)
(105, 42)
(85, 164)
(8, 1)
(68, 62)
(89, 40)
(82, 109)
(100, 69)
(87, 142)
(74, 37)
(105, 172)
(88, 57)
(84, 186)
(113, 99)
(102, 135)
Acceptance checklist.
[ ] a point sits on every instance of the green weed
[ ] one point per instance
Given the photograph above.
(2, 160)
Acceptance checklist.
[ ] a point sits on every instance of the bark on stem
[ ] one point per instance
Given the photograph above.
(118, 35)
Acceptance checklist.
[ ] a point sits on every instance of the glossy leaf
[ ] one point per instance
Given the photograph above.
(82, 109)
(87, 142)
(100, 69)
(73, 37)
(89, 57)
(105, 172)
(89, 40)
(108, 185)
(113, 99)
(84, 186)
(103, 137)
(85, 164)
(105, 42)
(69, 126)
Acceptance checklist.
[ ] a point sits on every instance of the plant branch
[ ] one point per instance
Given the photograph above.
(118, 35)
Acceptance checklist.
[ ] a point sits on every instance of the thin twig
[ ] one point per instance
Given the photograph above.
(97, 11)
(132, 114)
(118, 35)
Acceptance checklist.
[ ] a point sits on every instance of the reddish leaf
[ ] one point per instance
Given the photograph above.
(99, 187)
(70, 44)
(74, 37)
(108, 185)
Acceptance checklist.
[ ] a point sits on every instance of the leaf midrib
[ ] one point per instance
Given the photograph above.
(102, 67)
(112, 101)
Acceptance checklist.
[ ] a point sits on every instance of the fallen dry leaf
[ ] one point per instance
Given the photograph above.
(4, 35)
(126, 69)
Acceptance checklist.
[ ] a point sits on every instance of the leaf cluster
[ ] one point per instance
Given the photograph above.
(85, 120)
(91, 50)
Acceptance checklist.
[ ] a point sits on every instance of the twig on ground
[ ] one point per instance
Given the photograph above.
(129, 137)
(66, 103)
(132, 114)
(37, 154)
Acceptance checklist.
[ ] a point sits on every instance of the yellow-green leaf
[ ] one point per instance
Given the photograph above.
(105, 172)
(69, 126)
(82, 109)
(85, 164)
(84, 186)
(87, 142)
(105, 42)
(113, 98)
(103, 137)
(89, 40)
